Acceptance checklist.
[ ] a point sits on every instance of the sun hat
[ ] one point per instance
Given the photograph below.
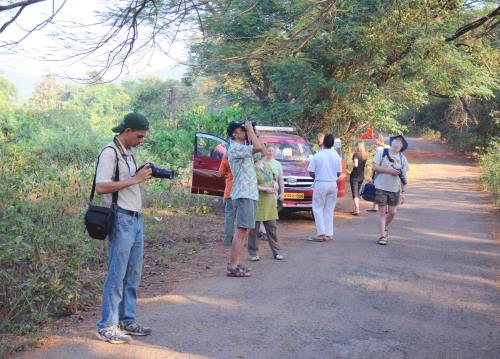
(405, 143)
(134, 121)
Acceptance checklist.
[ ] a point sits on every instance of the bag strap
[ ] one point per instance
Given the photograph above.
(124, 155)
(385, 153)
(117, 177)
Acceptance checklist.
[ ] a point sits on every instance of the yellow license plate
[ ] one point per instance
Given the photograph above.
(294, 195)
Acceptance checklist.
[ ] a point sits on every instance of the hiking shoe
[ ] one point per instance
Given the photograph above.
(382, 241)
(237, 272)
(113, 335)
(135, 328)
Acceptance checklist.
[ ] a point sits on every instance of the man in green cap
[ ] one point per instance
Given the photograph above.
(126, 240)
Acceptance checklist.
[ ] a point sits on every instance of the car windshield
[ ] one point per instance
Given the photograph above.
(293, 151)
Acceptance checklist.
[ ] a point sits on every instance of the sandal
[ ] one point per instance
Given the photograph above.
(318, 239)
(237, 272)
(355, 213)
(382, 240)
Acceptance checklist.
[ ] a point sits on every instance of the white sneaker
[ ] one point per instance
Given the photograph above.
(113, 335)
(254, 258)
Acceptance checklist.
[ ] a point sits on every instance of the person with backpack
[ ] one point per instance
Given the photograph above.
(390, 167)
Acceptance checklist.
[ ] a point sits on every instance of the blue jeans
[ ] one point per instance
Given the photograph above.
(228, 221)
(125, 255)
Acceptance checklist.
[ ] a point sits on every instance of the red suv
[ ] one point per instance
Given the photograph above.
(293, 151)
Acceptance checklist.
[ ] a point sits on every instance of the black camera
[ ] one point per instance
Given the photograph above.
(158, 172)
(254, 123)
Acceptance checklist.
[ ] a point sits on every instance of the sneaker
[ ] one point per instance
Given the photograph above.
(279, 257)
(382, 241)
(237, 272)
(135, 328)
(254, 258)
(113, 335)
(242, 267)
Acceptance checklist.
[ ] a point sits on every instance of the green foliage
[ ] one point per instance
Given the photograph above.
(48, 264)
(342, 66)
(339, 66)
(490, 163)
(466, 123)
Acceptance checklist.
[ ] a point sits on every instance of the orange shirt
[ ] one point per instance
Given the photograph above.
(225, 171)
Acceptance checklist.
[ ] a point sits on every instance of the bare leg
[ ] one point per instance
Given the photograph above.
(356, 204)
(390, 215)
(382, 220)
(237, 246)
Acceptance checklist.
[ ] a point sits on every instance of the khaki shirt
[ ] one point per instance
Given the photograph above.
(128, 198)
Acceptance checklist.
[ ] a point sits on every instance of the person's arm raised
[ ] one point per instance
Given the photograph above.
(257, 145)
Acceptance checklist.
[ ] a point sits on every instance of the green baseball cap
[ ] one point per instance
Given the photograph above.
(133, 120)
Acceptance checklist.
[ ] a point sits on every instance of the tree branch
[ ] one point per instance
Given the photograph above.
(19, 4)
(473, 25)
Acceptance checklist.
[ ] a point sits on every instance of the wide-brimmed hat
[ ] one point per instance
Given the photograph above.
(134, 121)
(405, 143)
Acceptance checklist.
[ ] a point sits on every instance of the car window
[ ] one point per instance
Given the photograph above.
(293, 151)
(210, 147)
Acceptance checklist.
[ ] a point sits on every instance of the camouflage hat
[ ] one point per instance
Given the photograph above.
(134, 121)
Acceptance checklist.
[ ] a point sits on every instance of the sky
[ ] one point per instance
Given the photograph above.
(26, 64)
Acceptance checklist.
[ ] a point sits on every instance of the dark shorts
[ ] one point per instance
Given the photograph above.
(383, 198)
(244, 211)
(355, 186)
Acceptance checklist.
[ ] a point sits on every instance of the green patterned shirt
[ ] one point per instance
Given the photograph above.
(241, 163)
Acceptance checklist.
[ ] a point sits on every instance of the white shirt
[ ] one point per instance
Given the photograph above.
(128, 198)
(325, 164)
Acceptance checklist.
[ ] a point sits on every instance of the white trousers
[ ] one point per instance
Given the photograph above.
(323, 203)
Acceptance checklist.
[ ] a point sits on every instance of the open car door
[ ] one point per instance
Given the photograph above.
(208, 153)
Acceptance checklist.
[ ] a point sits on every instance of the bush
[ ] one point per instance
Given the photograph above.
(48, 264)
(490, 164)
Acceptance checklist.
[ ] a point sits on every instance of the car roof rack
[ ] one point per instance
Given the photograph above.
(275, 129)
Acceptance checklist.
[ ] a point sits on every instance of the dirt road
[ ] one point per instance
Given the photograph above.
(433, 292)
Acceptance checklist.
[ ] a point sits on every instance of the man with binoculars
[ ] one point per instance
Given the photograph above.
(126, 239)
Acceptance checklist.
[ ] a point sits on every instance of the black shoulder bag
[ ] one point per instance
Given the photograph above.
(98, 219)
